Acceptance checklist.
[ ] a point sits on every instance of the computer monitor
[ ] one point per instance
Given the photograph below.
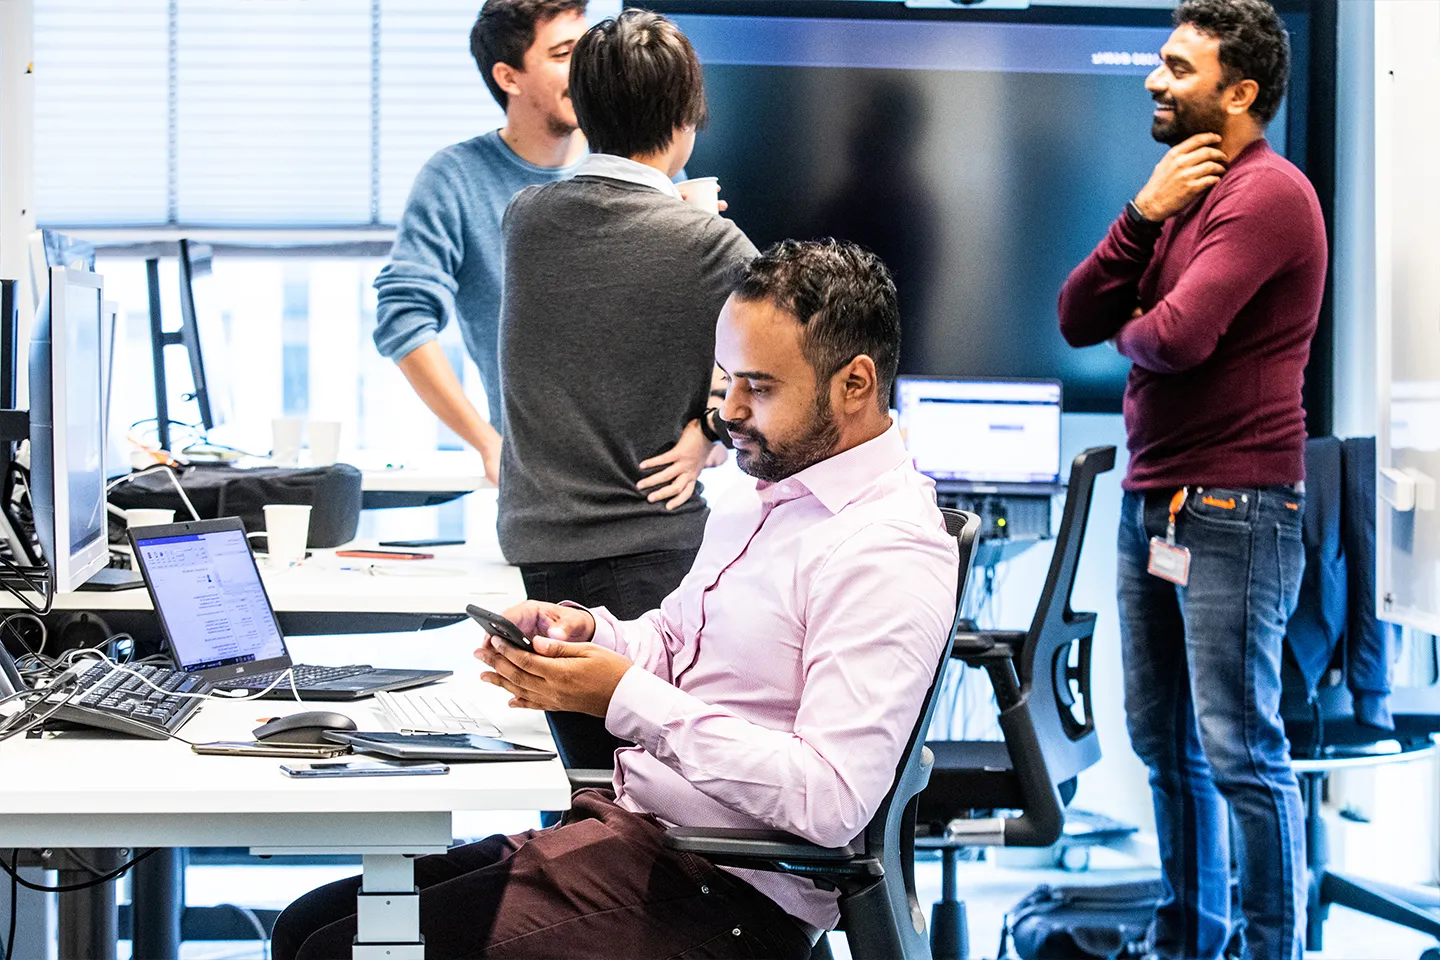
(202, 331)
(981, 434)
(67, 427)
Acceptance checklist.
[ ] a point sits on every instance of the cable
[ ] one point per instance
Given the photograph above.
(119, 871)
(44, 632)
(169, 472)
(287, 674)
(260, 933)
(47, 590)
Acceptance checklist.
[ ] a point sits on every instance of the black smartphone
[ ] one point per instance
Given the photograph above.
(411, 544)
(498, 626)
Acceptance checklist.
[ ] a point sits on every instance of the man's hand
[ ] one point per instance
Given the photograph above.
(559, 675)
(1186, 171)
(490, 453)
(682, 464)
(537, 619)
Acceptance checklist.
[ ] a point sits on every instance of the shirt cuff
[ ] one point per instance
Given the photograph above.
(401, 347)
(639, 707)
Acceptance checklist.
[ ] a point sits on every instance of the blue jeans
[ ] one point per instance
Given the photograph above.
(1202, 702)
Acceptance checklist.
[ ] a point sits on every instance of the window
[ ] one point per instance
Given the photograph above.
(248, 113)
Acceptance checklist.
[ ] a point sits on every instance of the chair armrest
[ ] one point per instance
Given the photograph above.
(762, 845)
(583, 777)
(979, 643)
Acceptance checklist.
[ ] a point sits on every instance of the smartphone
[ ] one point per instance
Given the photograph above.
(498, 626)
(411, 544)
(363, 768)
(385, 554)
(245, 748)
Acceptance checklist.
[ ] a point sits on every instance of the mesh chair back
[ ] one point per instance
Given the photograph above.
(1054, 664)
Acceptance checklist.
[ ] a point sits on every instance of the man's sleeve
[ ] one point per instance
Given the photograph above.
(651, 641)
(416, 289)
(1102, 292)
(1249, 237)
(872, 640)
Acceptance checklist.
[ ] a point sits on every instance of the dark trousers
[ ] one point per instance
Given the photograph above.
(628, 587)
(601, 885)
(1202, 701)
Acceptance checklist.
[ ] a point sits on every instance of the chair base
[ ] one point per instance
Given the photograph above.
(949, 931)
(1384, 904)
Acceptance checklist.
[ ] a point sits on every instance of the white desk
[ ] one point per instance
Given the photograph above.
(426, 478)
(82, 790)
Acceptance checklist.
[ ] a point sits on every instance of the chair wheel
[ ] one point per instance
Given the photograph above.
(1432, 954)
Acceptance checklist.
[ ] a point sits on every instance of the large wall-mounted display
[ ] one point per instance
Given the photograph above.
(981, 154)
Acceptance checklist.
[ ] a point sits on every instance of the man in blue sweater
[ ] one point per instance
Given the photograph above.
(447, 255)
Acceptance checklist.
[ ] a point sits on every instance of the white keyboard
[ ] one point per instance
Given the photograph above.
(434, 713)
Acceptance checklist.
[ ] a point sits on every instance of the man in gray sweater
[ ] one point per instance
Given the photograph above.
(607, 342)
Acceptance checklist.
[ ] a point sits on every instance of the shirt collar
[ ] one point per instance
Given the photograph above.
(840, 479)
(623, 168)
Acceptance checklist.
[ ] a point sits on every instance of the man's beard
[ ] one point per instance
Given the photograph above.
(817, 442)
(1188, 120)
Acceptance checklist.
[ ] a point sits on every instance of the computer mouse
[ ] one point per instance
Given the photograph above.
(306, 727)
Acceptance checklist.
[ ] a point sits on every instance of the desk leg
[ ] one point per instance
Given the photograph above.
(88, 919)
(157, 901)
(388, 910)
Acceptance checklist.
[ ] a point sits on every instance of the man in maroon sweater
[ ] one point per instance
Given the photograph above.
(1211, 282)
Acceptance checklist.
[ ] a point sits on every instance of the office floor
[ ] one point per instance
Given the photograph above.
(988, 890)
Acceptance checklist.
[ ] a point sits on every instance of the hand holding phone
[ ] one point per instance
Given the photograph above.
(498, 626)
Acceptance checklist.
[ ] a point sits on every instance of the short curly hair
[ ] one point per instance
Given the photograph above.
(1254, 45)
(843, 296)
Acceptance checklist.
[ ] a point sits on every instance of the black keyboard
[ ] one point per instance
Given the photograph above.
(112, 699)
(305, 676)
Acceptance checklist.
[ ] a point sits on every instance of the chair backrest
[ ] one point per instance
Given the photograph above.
(890, 837)
(1054, 664)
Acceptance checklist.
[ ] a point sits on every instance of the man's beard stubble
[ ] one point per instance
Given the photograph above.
(559, 128)
(818, 442)
(1188, 120)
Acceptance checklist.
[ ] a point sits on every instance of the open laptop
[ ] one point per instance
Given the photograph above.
(219, 623)
(982, 436)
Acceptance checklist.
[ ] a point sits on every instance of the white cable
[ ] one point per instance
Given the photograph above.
(169, 472)
(287, 674)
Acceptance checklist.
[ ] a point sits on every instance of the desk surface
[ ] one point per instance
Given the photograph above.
(438, 471)
(162, 793)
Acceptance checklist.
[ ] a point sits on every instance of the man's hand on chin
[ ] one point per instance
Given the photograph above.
(559, 675)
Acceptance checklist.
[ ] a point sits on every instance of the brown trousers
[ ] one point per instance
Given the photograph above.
(600, 885)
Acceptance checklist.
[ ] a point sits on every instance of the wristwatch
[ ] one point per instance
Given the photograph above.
(712, 427)
(1133, 214)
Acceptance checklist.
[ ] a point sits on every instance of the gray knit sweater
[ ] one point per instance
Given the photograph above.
(607, 339)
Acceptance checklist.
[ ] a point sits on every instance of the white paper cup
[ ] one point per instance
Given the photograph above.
(324, 442)
(285, 447)
(147, 517)
(287, 529)
(702, 192)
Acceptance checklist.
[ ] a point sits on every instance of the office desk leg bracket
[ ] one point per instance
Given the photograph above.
(388, 910)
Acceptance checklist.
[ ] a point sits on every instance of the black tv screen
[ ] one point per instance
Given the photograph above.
(981, 157)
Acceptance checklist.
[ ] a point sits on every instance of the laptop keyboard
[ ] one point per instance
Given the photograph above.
(305, 676)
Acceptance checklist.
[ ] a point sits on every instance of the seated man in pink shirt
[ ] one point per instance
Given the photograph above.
(775, 688)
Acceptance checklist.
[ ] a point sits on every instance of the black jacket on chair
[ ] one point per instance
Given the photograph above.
(1336, 609)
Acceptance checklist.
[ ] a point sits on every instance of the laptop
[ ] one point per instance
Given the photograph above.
(981, 435)
(218, 621)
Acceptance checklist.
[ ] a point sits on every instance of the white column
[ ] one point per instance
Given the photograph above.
(17, 155)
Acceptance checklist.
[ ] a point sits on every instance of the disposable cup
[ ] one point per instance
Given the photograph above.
(287, 529)
(285, 447)
(324, 442)
(148, 517)
(702, 192)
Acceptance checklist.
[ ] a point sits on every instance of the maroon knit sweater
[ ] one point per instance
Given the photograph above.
(1230, 289)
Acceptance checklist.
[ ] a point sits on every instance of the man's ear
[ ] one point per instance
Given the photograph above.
(505, 76)
(858, 383)
(1241, 96)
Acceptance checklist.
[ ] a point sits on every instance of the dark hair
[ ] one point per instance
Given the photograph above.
(634, 80)
(505, 29)
(1253, 46)
(843, 296)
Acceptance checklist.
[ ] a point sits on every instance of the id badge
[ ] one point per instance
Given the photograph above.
(1169, 562)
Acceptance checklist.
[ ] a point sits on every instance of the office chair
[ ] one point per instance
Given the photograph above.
(875, 873)
(1041, 679)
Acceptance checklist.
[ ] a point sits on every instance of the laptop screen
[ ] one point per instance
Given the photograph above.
(208, 593)
(982, 431)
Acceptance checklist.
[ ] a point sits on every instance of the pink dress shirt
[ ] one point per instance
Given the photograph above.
(777, 686)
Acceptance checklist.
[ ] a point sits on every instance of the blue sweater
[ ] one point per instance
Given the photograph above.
(447, 259)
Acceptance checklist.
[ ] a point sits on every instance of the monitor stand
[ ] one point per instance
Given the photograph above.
(113, 578)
